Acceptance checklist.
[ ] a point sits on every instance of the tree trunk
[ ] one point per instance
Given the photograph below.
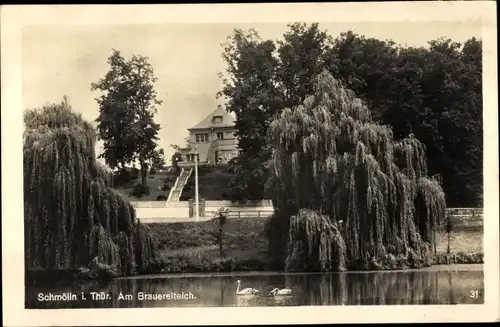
(221, 252)
(448, 249)
(144, 173)
(434, 237)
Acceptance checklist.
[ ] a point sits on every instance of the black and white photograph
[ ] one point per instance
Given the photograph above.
(338, 157)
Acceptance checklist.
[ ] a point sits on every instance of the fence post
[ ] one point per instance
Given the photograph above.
(191, 208)
(258, 213)
(239, 214)
(202, 204)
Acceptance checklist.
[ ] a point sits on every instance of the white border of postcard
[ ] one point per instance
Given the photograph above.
(13, 18)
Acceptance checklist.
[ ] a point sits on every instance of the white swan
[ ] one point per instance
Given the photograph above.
(245, 291)
(277, 291)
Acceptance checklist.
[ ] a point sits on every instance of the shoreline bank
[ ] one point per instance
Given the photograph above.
(455, 267)
(434, 268)
(189, 249)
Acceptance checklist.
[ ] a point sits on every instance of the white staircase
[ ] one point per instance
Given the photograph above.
(176, 191)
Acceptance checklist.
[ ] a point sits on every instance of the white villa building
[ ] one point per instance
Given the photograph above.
(213, 138)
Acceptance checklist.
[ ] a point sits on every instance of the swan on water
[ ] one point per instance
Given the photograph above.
(245, 291)
(277, 291)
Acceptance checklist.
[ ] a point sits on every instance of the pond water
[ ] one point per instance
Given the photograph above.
(447, 285)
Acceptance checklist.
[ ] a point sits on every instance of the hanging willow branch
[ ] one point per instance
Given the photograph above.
(330, 157)
(72, 216)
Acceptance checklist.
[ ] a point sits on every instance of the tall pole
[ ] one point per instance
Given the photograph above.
(196, 197)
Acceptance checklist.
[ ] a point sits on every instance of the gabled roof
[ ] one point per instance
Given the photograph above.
(228, 119)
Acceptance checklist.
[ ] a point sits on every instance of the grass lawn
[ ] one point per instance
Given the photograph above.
(466, 236)
(155, 182)
(213, 184)
(213, 181)
(190, 247)
(463, 241)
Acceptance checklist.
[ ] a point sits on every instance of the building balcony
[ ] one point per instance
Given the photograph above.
(225, 143)
(186, 164)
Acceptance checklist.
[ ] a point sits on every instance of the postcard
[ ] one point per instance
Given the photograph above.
(250, 163)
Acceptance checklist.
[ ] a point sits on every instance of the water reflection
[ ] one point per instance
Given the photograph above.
(357, 288)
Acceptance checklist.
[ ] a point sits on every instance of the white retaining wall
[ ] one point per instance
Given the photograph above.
(229, 204)
(159, 211)
(162, 209)
(208, 203)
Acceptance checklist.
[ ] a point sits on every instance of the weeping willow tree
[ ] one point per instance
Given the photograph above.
(332, 163)
(73, 218)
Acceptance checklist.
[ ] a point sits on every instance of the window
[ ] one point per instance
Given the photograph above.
(190, 157)
(201, 138)
(217, 119)
(220, 135)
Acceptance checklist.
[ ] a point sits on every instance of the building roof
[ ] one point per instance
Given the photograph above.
(228, 119)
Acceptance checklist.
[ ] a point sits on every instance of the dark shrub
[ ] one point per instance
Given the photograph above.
(189, 185)
(174, 171)
(458, 258)
(224, 265)
(251, 264)
(152, 171)
(185, 197)
(134, 172)
(165, 187)
(161, 197)
(140, 190)
(170, 178)
(124, 176)
(276, 231)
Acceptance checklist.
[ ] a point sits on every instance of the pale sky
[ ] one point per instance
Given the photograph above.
(186, 58)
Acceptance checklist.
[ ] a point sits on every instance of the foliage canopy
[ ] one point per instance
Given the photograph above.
(433, 92)
(126, 113)
(332, 162)
(73, 217)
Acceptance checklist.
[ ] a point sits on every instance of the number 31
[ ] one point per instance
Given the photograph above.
(474, 294)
